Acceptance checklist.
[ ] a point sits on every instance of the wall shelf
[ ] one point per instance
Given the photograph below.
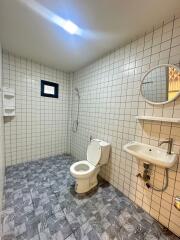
(9, 94)
(159, 119)
(8, 102)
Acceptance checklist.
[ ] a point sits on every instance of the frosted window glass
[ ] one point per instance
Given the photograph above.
(49, 89)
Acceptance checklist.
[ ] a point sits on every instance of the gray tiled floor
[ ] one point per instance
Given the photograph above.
(40, 203)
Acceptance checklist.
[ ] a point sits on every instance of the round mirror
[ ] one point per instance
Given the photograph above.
(161, 84)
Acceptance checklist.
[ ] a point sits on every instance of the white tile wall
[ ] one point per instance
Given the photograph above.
(40, 127)
(2, 160)
(110, 100)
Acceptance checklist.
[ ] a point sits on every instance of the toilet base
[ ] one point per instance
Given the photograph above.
(84, 185)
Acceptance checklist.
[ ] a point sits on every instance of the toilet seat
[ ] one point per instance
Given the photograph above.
(82, 169)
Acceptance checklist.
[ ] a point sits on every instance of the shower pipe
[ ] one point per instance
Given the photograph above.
(76, 122)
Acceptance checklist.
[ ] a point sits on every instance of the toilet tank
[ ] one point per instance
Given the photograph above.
(105, 151)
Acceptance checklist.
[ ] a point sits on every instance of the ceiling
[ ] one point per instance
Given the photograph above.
(105, 24)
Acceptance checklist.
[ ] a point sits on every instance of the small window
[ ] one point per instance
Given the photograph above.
(49, 89)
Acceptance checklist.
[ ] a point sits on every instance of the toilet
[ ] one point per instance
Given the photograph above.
(85, 172)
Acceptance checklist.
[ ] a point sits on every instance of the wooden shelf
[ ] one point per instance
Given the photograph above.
(159, 119)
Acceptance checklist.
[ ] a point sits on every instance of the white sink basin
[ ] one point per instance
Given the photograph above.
(150, 154)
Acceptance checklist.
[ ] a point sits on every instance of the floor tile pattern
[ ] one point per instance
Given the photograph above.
(40, 204)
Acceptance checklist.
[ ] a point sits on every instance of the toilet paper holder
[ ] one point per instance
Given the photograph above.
(177, 203)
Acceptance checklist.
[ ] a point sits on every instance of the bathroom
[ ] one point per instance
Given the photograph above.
(89, 147)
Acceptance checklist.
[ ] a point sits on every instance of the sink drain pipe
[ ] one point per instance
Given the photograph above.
(146, 178)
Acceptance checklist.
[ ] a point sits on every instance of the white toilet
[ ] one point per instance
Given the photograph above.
(85, 172)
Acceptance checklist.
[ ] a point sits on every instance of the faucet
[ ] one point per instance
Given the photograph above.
(170, 142)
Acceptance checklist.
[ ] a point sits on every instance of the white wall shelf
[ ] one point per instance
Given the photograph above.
(8, 102)
(159, 119)
(9, 94)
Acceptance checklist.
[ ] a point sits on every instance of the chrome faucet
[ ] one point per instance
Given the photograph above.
(170, 142)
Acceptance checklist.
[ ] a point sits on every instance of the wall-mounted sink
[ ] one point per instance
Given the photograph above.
(150, 154)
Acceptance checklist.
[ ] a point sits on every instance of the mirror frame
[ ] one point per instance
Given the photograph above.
(158, 103)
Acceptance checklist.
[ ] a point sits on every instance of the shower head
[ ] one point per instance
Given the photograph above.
(77, 91)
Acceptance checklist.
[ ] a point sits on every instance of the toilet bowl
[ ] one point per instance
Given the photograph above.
(85, 172)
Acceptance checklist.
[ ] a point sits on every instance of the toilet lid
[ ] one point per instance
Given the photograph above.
(94, 152)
